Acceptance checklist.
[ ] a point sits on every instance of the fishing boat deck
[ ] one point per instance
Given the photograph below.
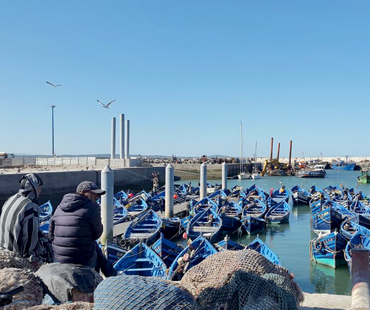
(178, 209)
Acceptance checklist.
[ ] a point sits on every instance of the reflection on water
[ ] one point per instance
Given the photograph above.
(329, 280)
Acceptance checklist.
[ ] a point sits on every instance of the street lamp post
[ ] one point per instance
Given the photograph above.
(52, 131)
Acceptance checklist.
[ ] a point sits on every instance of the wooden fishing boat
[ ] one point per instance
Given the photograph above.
(167, 250)
(121, 196)
(358, 241)
(278, 213)
(207, 223)
(171, 227)
(197, 250)
(45, 211)
(331, 218)
(115, 252)
(279, 195)
(255, 192)
(328, 249)
(259, 246)
(146, 227)
(255, 208)
(300, 195)
(120, 213)
(228, 244)
(204, 204)
(359, 207)
(141, 260)
(135, 207)
(351, 226)
(230, 214)
(253, 225)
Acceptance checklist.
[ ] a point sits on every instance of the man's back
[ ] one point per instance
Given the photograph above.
(19, 224)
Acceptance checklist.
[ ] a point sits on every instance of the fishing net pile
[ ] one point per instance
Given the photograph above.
(12, 278)
(9, 259)
(136, 292)
(69, 306)
(69, 282)
(241, 280)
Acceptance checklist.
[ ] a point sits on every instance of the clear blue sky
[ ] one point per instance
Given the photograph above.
(185, 73)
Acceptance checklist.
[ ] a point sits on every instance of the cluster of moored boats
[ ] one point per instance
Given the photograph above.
(340, 218)
(147, 247)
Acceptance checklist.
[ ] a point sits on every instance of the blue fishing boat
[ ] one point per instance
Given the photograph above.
(146, 227)
(135, 207)
(279, 195)
(121, 196)
(339, 195)
(207, 223)
(278, 213)
(196, 251)
(120, 213)
(300, 195)
(167, 250)
(343, 164)
(171, 227)
(203, 204)
(230, 214)
(228, 244)
(45, 211)
(330, 218)
(256, 193)
(44, 227)
(351, 226)
(115, 252)
(255, 208)
(259, 246)
(358, 241)
(328, 249)
(360, 207)
(253, 225)
(141, 260)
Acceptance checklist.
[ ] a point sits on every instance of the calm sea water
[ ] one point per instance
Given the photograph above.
(291, 241)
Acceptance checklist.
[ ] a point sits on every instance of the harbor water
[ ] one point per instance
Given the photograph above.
(291, 241)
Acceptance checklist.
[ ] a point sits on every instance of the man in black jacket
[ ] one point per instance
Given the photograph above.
(75, 227)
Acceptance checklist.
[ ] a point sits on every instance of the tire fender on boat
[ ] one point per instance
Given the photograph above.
(318, 245)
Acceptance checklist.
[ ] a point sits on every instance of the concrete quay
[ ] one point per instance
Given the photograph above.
(326, 301)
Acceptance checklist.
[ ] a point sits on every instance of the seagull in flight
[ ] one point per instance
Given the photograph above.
(54, 85)
(106, 105)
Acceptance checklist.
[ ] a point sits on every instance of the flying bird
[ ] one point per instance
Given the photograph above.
(54, 85)
(106, 105)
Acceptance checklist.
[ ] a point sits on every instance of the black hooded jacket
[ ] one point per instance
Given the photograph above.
(74, 227)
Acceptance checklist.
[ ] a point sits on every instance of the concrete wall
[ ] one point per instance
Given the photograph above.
(56, 184)
(70, 161)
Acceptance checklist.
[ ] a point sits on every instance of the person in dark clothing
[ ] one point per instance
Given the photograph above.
(19, 218)
(75, 227)
(162, 205)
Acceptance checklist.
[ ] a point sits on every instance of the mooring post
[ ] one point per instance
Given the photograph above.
(224, 176)
(107, 184)
(360, 279)
(169, 188)
(203, 181)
